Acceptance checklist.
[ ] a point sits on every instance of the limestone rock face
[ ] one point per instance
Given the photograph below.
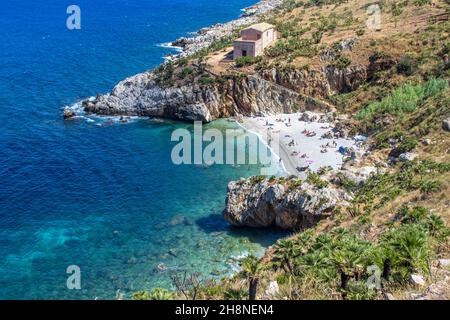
(344, 80)
(271, 92)
(269, 204)
(252, 205)
(318, 83)
(140, 95)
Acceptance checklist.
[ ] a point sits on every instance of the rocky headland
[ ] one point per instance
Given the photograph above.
(286, 204)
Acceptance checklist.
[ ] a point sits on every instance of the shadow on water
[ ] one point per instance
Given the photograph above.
(215, 223)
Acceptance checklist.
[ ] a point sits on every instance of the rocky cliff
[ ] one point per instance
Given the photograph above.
(321, 83)
(277, 203)
(271, 91)
(140, 95)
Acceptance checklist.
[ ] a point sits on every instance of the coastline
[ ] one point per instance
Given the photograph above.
(206, 36)
(246, 126)
(295, 148)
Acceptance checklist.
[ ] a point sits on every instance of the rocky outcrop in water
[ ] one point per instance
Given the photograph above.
(140, 95)
(274, 204)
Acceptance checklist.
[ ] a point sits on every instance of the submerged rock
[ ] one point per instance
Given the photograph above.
(177, 220)
(68, 113)
(161, 267)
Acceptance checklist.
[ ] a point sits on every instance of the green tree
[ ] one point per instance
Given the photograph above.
(250, 269)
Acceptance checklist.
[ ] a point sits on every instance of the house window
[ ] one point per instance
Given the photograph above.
(244, 53)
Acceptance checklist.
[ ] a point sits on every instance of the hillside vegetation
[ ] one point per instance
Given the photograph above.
(397, 223)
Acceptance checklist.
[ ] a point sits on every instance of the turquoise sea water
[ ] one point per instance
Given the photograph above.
(99, 194)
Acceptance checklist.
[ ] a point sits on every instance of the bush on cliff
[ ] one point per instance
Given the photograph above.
(246, 61)
(340, 259)
(156, 294)
(403, 100)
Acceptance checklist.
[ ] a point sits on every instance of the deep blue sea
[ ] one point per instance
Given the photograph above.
(99, 194)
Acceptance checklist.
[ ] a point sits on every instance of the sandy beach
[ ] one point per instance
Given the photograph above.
(300, 144)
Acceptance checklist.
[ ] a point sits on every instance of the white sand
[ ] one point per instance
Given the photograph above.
(311, 146)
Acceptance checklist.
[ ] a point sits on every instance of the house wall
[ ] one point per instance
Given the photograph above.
(250, 34)
(239, 46)
(255, 43)
(268, 37)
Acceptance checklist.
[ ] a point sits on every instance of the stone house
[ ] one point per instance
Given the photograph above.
(254, 40)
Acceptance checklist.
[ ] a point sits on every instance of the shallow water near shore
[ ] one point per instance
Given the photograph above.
(100, 194)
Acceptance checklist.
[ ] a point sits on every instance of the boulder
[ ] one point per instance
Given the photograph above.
(252, 205)
(68, 113)
(446, 124)
(271, 290)
(161, 267)
(443, 263)
(407, 156)
(309, 116)
(417, 280)
(263, 204)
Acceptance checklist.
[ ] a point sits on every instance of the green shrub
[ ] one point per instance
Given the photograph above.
(246, 61)
(257, 179)
(164, 74)
(414, 215)
(317, 37)
(342, 62)
(314, 179)
(156, 294)
(408, 249)
(430, 186)
(351, 255)
(407, 145)
(360, 32)
(206, 80)
(432, 223)
(182, 62)
(359, 290)
(235, 294)
(407, 98)
(382, 188)
(186, 72)
(407, 65)
(295, 185)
